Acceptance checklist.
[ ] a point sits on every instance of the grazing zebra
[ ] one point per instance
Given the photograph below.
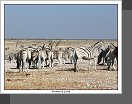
(111, 56)
(88, 53)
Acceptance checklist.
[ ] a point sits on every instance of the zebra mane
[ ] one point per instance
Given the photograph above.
(91, 47)
(112, 44)
(98, 42)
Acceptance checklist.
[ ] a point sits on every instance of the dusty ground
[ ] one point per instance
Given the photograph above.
(58, 77)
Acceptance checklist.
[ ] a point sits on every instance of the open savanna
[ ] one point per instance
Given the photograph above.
(58, 77)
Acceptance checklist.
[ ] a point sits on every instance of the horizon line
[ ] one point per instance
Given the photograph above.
(53, 39)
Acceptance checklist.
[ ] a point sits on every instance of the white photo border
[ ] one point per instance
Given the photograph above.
(118, 91)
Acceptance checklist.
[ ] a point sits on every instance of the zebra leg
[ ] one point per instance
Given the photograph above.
(64, 61)
(95, 64)
(46, 62)
(39, 62)
(33, 64)
(114, 67)
(19, 69)
(103, 61)
(75, 69)
(117, 62)
(99, 59)
(108, 66)
(60, 62)
(51, 62)
(75, 65)
(29, 62)
(113, 64)
(89, 65)
(43, 63)
(22, 65)
(108, 63)
(18, 65)
(25, 64)
(71, 60)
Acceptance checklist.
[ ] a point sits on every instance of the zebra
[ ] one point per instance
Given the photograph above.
(88, 53)
(24, 58)
(21, 59)
(60, 54)
(42, 56)
(18, 59)
(111, 56)
(35, 58)
(69, 54)
(103, 54)
(10, 56)
(47, 54)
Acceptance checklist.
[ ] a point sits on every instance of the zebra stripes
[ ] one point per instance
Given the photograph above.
(111, 56)
(88, 53)
(47, 56)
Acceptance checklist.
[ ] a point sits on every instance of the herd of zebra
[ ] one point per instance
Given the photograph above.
(44, 56)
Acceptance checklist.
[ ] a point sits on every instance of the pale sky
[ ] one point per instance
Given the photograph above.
(61, 21)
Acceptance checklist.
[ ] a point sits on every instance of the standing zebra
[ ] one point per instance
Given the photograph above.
(10, 56)
(103, 54)
(88, 53)
(111, 56)
(21, 59)
(69, 53)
